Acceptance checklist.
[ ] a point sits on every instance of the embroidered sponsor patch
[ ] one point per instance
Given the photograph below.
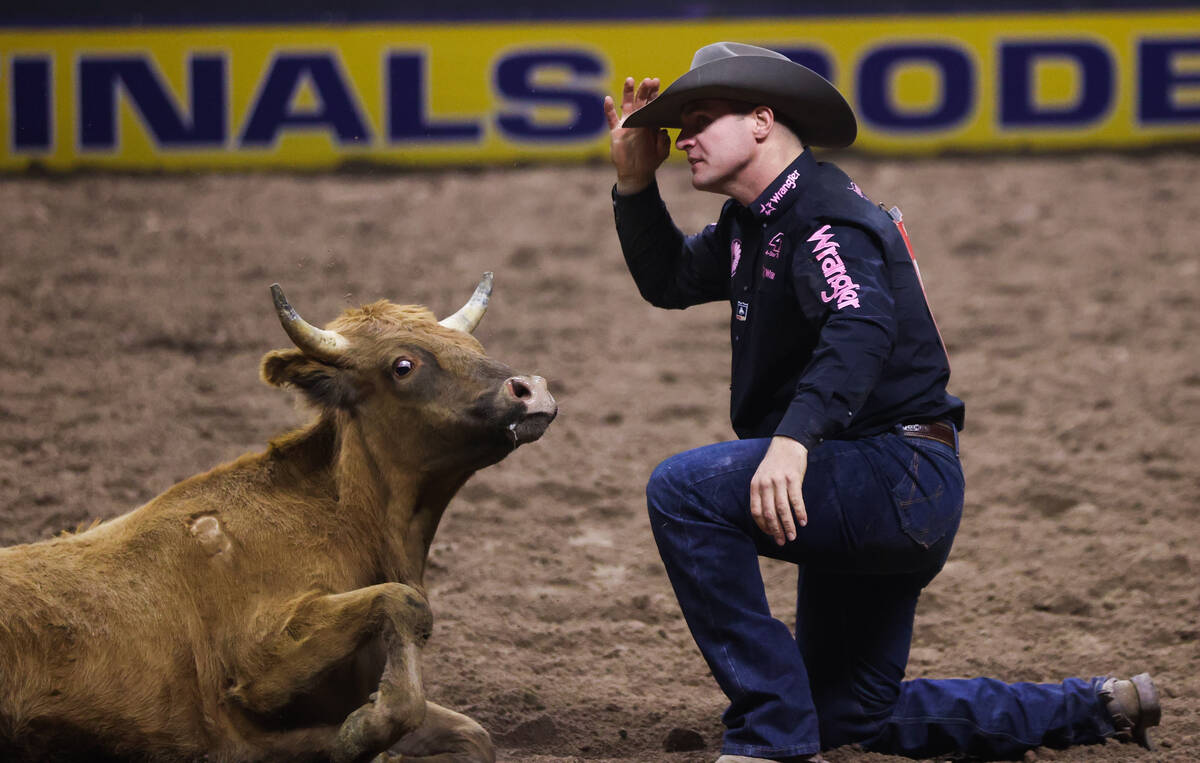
(743, 310)
(768, 207)
(774, 246)
(842, 286)
(768, 274)
(854, 187)
(735, 256)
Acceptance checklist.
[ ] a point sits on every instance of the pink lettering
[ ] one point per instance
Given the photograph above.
(840, 285)
(788, 184)
(822, 238)
(833, 268)
(774, 246)
(831, 249)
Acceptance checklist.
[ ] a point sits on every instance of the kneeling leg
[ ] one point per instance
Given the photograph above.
(854, 632)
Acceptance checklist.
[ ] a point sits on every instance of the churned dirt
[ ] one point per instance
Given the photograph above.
(136, 310)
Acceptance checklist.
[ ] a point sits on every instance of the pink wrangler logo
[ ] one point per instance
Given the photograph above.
(768, 207)
(842, 286)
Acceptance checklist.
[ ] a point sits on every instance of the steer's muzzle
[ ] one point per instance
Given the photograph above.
(539, 407)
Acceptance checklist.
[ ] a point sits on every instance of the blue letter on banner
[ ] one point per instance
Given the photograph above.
(1157, 80)
(98, 80)
(514, 79)
(31, 104)
(874, 76)
(407, 103)
(813, 59)
(272, 111)
(1017, 98)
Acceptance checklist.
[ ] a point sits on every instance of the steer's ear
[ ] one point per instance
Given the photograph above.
(323, 385)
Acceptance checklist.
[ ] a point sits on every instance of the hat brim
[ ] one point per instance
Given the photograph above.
(805, 100)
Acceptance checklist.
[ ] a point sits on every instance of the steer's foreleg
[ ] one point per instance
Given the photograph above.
(321, 631)
(398, 706)
(445, 737)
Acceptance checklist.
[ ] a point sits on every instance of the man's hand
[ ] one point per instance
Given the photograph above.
(636, 151)
(775, 489)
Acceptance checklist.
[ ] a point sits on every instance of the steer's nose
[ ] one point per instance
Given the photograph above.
(532, 391)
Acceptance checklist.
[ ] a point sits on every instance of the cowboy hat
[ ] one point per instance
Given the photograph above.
(801, 98)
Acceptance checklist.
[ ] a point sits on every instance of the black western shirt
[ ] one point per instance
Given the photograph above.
(831, 333)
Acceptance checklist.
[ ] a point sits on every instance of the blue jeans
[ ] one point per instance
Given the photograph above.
(882, 514)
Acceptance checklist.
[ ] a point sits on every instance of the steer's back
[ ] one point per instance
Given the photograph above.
(133, 629)
(95, 636)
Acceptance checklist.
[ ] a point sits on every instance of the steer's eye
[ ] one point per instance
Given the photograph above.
(403, 367)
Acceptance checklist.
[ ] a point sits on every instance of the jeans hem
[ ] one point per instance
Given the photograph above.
(756, 751)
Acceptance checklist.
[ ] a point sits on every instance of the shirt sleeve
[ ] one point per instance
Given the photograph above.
(670, 269)
(841, 282)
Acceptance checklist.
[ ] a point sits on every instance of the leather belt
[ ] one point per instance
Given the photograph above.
(940, 431)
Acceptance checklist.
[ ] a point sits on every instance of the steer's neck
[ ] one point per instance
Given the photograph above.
(404, 504)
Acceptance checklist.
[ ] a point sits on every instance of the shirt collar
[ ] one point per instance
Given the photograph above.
(782, 192)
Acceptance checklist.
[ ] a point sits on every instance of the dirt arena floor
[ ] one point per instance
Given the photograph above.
(1068, 289)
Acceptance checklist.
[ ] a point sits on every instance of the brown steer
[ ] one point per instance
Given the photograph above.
(273, 608)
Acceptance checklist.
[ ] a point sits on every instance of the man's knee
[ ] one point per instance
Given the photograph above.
(665, 486)
(707, 484)
(854, 716)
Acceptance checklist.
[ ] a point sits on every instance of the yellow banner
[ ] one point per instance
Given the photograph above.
(310, 96)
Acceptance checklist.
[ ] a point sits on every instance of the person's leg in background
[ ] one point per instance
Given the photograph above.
(855, 631)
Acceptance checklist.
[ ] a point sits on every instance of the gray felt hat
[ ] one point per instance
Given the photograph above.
(803, 99)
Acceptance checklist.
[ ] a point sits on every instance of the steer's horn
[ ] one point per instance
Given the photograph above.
(469, 315)
(316, 343)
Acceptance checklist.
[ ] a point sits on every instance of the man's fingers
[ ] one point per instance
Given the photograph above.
(770, 518)
(796, 498)
(646, 91)
(627, 96)
(776, 495)
(610, 112)
(756, 508)
(783, 509)
(634, 95)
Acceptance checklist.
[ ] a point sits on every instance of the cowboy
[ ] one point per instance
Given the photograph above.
(847, 459)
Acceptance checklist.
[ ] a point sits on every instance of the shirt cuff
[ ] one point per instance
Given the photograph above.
(805, 424)
(650, 191)
(640, 209)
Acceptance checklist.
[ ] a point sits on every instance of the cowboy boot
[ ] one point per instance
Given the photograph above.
(1133, 705)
